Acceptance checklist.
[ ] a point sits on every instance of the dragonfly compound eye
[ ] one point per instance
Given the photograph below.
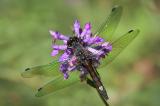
(72, 41)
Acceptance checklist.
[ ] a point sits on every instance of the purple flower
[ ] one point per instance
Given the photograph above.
(94, 48)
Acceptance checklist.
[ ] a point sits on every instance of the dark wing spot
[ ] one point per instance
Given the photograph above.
(114, 8)
(27, 69)
(39, 89)
(130, 31)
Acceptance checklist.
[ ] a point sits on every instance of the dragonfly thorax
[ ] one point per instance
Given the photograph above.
(77, 46)
(73, 42)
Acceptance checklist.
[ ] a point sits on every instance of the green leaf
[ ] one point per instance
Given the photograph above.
(109, 26)
(58, 84)
(51, 69)
(119, 45)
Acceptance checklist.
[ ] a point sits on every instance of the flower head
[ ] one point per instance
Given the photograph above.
(83, 45)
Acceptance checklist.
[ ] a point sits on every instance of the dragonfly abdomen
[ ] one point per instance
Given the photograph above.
(96, 79)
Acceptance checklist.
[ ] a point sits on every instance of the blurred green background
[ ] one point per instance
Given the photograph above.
(131, 80)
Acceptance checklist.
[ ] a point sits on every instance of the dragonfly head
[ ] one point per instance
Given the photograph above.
(73, 42)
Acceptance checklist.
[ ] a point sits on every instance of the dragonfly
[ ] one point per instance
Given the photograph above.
(106, 30)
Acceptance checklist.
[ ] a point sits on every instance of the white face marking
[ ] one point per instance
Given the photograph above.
(101, 88)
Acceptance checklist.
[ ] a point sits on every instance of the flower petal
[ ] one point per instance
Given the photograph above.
(94, 40)
(107, 46)
(54, 34)
(59, 47)
(63, 67)
(65, 76)
(57, 35)
(77, 28)
(86, 31)
(63, 57)
(72, 61)
(94, 51)
(63, 37)
(65, 42)
(54, 52)
(98, 39)
(71, 68)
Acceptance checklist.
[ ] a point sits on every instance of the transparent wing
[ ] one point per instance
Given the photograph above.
(119, 45)
(58, 83)
(51, 69)
(109, 26)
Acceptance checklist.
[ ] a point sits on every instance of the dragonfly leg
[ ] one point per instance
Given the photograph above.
(82, 78)
(83, 75)
(90, 82)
